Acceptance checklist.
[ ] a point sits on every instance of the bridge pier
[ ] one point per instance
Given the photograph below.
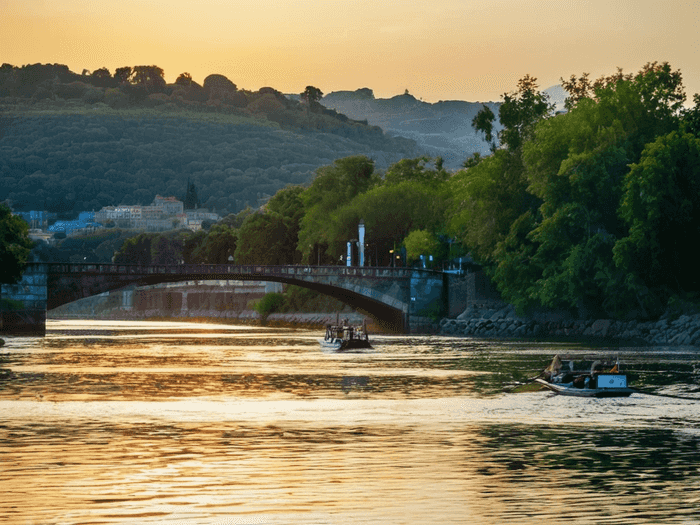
(31, 291)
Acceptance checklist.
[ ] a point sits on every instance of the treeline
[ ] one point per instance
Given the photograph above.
(595, 211)
(72, 142)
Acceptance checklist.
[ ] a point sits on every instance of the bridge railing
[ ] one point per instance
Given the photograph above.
(198, 270)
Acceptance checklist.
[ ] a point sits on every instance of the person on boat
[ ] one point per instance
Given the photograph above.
(554, 369)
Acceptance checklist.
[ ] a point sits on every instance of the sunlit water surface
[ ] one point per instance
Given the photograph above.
(137, 422)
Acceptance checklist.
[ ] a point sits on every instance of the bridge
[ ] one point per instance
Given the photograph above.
(397, 298)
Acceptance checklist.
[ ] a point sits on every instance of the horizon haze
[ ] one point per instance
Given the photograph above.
(443, 50)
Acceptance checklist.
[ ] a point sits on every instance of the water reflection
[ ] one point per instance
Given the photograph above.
(214, 424)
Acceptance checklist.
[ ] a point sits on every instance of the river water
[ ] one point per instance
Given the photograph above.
(142, 422)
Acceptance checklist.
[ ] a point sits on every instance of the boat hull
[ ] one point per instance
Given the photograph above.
(568, 389)
(341, 345)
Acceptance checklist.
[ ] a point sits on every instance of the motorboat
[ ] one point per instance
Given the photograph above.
(603, 379)
(341, 337)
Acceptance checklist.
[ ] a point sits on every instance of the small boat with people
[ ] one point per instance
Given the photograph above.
(603, 379)
(341, 337)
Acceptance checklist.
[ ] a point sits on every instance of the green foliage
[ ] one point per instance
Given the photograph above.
(136, 250)
(266, 238)
(520, 111)
(269, 304)
(300, 299)
(7, 305)
(416, 170)
(311, 95)
(486, 200)
(333, 187)
(661, 205)
(106, 140)
(15, 246)
(421, 242)
(483, 122)
(217, 247)
(578, 164)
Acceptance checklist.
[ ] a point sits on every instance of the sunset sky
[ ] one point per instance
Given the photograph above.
(437, 49)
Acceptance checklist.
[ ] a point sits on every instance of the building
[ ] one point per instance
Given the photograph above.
(165, 213)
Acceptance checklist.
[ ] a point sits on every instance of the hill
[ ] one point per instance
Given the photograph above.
(73, 142)
(440, 129)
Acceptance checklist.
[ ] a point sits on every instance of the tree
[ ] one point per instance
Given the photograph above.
(123, 75)
(520, 111)
(561, 254)
(102, 78)
(483, 121)
(136, 250)
(150, 77)
(333, 187)
(417, 170)
(421, 242)
(263, 239)
(15, 246)
(184, 79)
(191, 201)
(268, 304)
(218, 247)
(661, 203)
(311, 95)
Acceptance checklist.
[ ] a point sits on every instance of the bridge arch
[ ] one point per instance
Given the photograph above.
(391, 296)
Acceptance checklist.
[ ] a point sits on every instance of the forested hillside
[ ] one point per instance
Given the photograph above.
(73, 142)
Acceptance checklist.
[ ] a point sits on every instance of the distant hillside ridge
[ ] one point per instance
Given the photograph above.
(440, 129)
(72, 143)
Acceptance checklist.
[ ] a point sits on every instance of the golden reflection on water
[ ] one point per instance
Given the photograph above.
(156, 423)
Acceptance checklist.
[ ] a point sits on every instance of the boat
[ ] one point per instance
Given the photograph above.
(603, 379)
(341, 337)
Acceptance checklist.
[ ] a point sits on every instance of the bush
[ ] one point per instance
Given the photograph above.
(269, 304)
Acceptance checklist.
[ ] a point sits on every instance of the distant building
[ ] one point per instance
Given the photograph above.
(165, 213)
(36, 219)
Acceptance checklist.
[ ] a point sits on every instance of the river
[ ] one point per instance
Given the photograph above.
(155, 422)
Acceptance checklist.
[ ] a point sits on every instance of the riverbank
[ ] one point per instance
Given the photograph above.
(504, 323)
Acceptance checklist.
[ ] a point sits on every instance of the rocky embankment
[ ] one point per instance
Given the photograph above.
(504, 323)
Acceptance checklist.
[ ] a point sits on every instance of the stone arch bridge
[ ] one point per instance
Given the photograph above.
(399, 299)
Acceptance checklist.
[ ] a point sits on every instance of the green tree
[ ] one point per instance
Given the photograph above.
(576, 166)
(421, 242)
(218, 247)
(136, 250)
(123, 75)
(661, 204)
(485, 201)
(333, 187)
(150, 77)
(269, 304)
(191, 200)
(264, 239)
(102, 78)
(417, 170)
(483, 122)
(311, 95)
(15, 246)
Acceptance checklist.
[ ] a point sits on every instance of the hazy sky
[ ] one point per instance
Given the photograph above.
(437, 49)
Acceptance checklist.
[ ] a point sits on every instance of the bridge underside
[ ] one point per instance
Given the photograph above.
(66, 288)
(391, 296)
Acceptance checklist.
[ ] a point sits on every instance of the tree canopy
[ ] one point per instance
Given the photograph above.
(15, 246)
